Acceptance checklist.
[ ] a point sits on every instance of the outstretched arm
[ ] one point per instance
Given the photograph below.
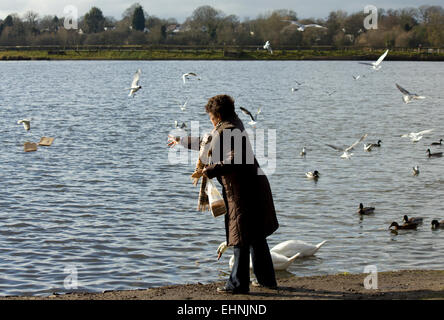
(230, 155)
(188, 142)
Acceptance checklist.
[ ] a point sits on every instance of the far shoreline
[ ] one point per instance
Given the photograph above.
(404, 285)
(209, 54)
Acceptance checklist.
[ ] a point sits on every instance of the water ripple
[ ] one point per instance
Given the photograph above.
(105, 200)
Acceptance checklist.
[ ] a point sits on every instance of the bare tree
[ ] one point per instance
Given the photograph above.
(31, 18)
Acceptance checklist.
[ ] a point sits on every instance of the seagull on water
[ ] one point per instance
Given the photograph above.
(182, 126)
(346, 152)
(26, 123)
(267, 46)
(253, 118)
(312, 175)
(302, 27)
(376, 65)
(135, 84)
(407, 96)
(186, 76)
(416, 136)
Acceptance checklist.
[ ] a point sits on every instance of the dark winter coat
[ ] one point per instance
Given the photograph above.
(245, 188)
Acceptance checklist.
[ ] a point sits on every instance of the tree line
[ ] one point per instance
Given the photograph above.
(407, 28)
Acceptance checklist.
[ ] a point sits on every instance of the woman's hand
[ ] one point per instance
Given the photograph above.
(199, 173)
(172, 140)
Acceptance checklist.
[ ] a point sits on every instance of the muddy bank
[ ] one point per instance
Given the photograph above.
(408, 284)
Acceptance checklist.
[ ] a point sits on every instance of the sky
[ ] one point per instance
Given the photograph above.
(181, 9)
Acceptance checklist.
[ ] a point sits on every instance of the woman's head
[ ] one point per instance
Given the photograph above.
(220, 108)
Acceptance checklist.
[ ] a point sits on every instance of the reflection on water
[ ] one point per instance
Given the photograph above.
(104, 198)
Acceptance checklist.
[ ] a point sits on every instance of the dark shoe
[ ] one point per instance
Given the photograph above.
(254, 283)
(232, 291)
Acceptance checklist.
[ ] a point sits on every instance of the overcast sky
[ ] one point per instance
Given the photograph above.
(181, 9)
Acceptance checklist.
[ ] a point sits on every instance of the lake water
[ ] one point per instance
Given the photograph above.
(105, 201)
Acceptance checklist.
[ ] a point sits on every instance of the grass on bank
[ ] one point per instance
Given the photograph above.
(211, 54)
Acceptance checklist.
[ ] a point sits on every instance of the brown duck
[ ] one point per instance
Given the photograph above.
(412, 220)
(409, 225)
(367, 210)
(437, 224)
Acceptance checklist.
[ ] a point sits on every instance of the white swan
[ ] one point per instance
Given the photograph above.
(280, 262)
(290, 247)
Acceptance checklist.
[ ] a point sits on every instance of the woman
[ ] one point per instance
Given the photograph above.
(251, 215)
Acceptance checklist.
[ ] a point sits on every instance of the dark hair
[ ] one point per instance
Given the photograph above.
(221, 105)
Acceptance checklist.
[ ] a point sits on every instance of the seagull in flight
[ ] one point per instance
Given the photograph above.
(368, 147)
(267, 46)
(135, 84)
(183, 107)
(416, 136)
(293, 89)
(415, 170)
(301, 27)
(186, 76)
(253, 118)
(357, 77)
(346, 152)
(407, 96)
(376, 65)
(26, 123)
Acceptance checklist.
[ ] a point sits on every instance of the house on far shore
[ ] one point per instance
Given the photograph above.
(175, 28)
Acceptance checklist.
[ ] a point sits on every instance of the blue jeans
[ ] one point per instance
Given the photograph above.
(239, 280)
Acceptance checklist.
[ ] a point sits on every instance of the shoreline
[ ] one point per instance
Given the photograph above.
(217, 55)
(404, 285)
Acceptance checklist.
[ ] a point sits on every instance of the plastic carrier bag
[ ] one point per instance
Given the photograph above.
(217, 203)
